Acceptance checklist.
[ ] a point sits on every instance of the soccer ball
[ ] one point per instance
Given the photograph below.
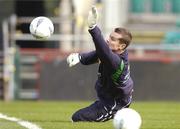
(41, 27)
(127, 118)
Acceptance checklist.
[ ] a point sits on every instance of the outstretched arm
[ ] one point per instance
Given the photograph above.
(88, 58)
(103, 51)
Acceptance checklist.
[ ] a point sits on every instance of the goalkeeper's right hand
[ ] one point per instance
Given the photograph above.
(73, 59)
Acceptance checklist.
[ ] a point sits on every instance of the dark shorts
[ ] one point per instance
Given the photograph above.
(98, 112)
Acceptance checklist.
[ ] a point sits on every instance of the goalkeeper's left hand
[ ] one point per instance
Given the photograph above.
(92, 17)
(73, 59)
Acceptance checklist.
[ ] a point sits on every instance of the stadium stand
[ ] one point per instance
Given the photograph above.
(148, 20)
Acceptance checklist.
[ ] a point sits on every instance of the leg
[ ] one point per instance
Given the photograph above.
(98, 112)
(93, 113)
(119, 104)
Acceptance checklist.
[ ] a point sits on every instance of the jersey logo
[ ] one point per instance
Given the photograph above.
(118, 72)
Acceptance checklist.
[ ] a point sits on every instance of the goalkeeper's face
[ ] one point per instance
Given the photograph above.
(114, 42)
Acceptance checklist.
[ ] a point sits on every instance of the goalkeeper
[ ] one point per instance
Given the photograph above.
(114, 85)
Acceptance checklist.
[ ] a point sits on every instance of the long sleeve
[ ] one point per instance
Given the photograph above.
(103, 51)
(88, 58)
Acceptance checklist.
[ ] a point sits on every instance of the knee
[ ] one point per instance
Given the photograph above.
(75, 117)
(81, 115)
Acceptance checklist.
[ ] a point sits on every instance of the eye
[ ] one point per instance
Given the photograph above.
(113, 38)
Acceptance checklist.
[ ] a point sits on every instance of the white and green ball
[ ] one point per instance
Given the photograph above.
(41, 27)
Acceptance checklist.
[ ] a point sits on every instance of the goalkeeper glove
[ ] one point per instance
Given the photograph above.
(92, 17)
(73, 59)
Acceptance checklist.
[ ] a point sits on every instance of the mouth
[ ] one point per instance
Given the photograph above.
(113, 50)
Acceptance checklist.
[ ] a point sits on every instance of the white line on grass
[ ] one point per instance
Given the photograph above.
(23, 123)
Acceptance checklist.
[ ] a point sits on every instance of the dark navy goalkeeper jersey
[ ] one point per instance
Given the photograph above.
(114, 81)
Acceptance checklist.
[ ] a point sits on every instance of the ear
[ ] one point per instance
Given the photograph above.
(122, 46)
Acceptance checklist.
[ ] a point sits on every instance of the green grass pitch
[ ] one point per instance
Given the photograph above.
(56, 115)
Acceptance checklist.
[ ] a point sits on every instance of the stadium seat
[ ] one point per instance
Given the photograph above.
(158, 6)
(175, 6)
(137, 6)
